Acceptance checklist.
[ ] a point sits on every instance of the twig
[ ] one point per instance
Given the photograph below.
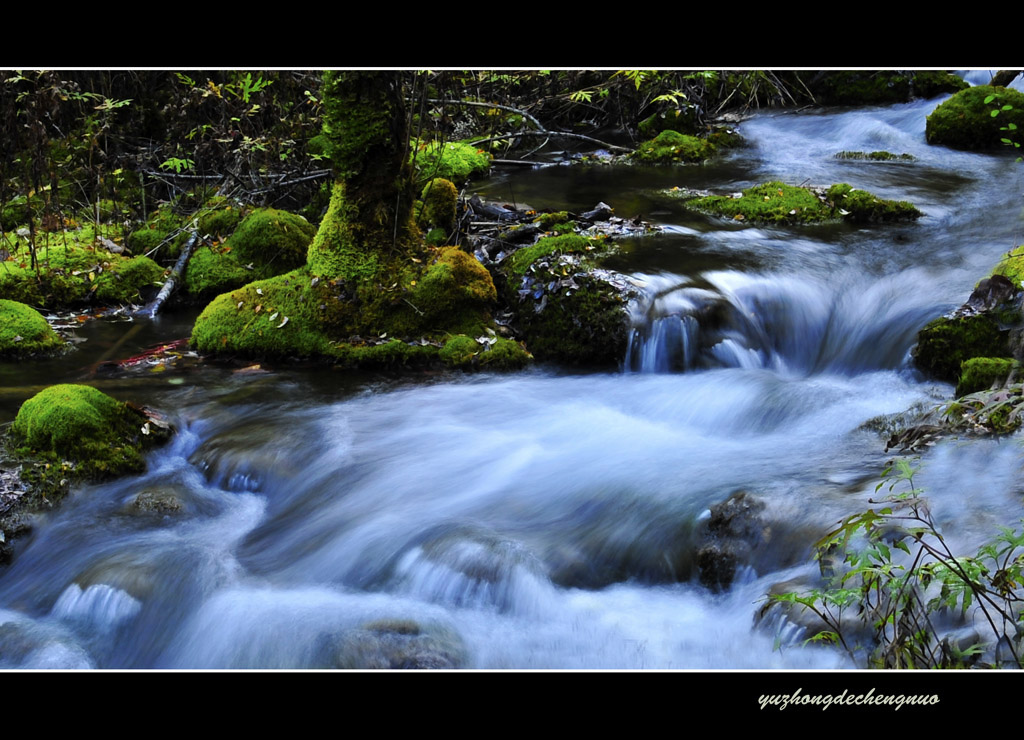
(563, 134)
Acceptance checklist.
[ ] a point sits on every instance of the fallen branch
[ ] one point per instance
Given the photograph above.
(150, 310)
(563, 134)
(519, 111)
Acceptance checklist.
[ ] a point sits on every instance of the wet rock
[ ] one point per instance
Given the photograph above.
(397, 644)
(990, 293)
(735, 529)
(601, 212)
(156, 501)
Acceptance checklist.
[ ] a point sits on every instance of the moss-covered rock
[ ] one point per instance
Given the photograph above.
(861, 206)
(451, 160)
(272, 241)
(23, 332)
(567, 311)
(440, 198)
(965, 121)
(71, 273)
(879, 156)
(981, 373)
(945, 343)
(101, 436)
(778, 203)
(672, 146)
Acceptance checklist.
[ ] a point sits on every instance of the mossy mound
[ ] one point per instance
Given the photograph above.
(880, 156)
(772, 202)
(965, 121)
(272, 241)
(440, 198)
(301, 314)
(778, 203)
(219, 218)
(551, 221)
(865, 87)
(74, 274)
(982, 373)
(103, 437)
(671, 146)
(492, 353)
(287, 315)
(945, 343)
(451, 160)
(212, 271)
(23, 332)
(861, 206)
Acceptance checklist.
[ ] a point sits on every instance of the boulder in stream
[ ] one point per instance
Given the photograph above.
(977, 118)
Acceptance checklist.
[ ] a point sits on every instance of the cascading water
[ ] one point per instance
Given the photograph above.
(547, 520)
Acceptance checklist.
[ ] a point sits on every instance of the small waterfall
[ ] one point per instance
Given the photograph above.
(844, 324)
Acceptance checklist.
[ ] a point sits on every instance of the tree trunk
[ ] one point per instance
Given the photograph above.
(370, 216)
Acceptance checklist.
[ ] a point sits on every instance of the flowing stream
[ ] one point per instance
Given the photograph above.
(316, 519)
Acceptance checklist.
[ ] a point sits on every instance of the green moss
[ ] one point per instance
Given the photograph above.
(672, 146)
(251, 320)
(880, 156)
(981, 373)
(945, 343)
(965, 121)
(75, 274)
(1012, 266)
(436, 238)
(142, 241)
(79, 423)
(772, 202)
(272, 241)
(588, 328)
(549, 221)
(394, 354)
(219, 218)
(459, 351)
(863, 207)
(440, 199)
(336, 250)
(451, 160)
(505, 354)
(454, 295)
(567, 244)
(776, 202)
(24, 332)
(212, 271)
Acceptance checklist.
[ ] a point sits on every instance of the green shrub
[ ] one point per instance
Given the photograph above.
(898, 600)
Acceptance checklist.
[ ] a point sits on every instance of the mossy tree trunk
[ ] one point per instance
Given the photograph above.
(370, 215)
